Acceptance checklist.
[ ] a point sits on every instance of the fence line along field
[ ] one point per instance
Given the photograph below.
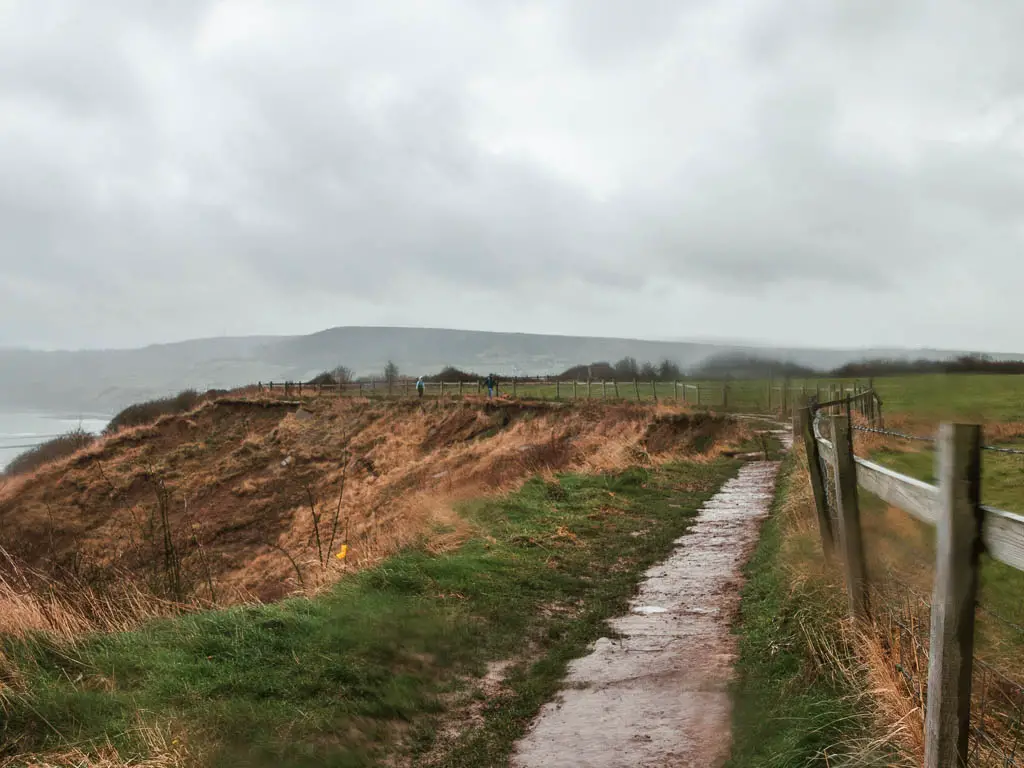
(951, 631)
(733, 395)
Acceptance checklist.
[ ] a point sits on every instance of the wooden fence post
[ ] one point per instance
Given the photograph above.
(817, 482)
(615, 384)
(654, 390)
(957, 550)
(698, 395)
(513, 386)
(637, 388)
(573, 387)
(604, 389)
(558, 390)
(845, 471)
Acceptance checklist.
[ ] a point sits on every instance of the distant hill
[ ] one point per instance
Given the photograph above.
(102, 381)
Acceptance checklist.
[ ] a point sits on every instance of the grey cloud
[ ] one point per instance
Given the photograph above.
(157, 180)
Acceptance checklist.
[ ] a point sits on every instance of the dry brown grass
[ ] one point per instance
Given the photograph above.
(861, 657)
(260, 497)
(162, 751)
(67, 611)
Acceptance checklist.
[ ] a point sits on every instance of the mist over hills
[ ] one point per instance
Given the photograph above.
(101, 381)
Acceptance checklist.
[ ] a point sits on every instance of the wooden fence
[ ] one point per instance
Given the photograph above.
(768, 396)
(964, 529)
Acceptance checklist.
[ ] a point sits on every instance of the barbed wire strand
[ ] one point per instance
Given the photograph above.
(1004, 620)
(926, 439)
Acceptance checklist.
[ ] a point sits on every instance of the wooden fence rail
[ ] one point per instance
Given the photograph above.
(964, 527)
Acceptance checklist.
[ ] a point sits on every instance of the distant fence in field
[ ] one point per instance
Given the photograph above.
(743, 395)
(964, 726)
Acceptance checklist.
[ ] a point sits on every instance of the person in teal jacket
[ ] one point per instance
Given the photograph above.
(420, 386)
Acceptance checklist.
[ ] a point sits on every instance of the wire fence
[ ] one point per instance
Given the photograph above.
(928, 439)
(901, 620)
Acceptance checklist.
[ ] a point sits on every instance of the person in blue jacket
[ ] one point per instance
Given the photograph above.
(420, 386)
(489, 383)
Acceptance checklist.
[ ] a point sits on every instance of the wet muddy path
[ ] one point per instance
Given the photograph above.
(658, 694)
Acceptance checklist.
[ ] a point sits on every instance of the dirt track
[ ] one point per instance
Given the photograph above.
(658, 694)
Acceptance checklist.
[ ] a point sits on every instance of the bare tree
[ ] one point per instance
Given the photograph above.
(391, 372)
(343, 375)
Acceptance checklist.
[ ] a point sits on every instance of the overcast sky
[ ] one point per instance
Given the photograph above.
(789, 171)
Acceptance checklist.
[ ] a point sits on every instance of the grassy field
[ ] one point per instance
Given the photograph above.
(924, 398)
(749, 396)
(384, 667)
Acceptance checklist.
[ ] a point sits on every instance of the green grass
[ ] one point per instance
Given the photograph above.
(967, 397)
(925, 398)
(785, 713)
(368, 670)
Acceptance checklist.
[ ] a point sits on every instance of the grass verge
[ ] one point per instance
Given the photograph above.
(386, 667)
(799, 696)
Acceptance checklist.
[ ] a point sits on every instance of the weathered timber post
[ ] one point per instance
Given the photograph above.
(698, 395)
(588, 389)
(958, 546)
(637, 388)
(460, 387)
(675, 390)
(654, 390)
(574, 388)
(604, 389)
(851, 543)
(817, 482)
(615, 384)
(558, 390)
(513, 386)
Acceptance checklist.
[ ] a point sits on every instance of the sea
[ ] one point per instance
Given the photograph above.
(20, 431)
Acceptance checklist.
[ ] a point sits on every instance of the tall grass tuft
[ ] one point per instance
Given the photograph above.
(57, 448)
